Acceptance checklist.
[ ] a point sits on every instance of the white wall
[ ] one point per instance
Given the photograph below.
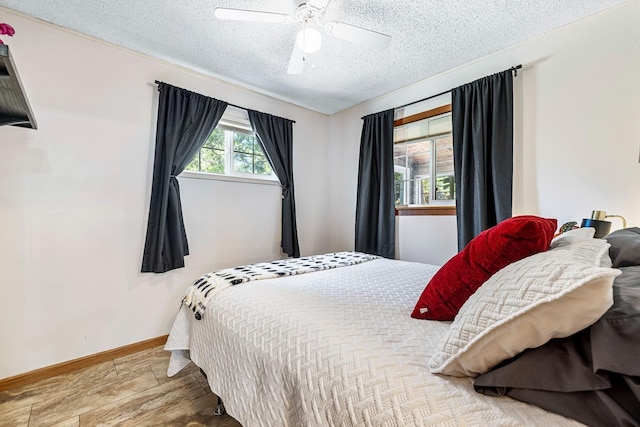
(74, 199)
(577, 131)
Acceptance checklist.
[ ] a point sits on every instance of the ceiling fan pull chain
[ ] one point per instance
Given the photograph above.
(304, 36)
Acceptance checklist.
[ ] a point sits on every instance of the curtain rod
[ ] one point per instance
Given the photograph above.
(514, 69)
(228, 103)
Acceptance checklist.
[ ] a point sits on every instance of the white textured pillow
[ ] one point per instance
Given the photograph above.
(571, 236)
(580, 246)
(524, 305)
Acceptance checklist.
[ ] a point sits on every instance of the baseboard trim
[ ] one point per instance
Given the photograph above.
(82, 362)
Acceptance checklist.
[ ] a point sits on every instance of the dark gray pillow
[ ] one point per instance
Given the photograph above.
(625, 247)
(592, 375)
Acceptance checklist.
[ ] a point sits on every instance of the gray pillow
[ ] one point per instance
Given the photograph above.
(625, 247)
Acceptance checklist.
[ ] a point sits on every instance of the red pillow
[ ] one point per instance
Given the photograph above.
(493, 249)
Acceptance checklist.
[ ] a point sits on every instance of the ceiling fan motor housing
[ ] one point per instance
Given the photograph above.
(305, 11)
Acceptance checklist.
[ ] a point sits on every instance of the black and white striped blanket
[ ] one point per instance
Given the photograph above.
(206, 287)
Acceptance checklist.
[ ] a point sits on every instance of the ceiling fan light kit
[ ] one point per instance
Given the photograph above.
(309, 39)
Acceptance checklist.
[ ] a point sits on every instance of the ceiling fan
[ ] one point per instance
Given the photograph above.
(309, 39)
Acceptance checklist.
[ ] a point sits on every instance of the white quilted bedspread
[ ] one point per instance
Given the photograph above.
(335, 348)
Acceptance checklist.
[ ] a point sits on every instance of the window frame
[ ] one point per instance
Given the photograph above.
(434, 209)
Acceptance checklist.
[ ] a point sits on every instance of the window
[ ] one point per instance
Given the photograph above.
(232, 149)
(423, 159)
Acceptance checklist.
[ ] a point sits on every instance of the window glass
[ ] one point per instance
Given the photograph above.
(445, 182)
(210, 158)
(261, 164)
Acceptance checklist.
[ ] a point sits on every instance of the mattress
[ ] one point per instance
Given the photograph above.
(335, 348)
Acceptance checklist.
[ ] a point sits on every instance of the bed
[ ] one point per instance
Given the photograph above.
(336, 347)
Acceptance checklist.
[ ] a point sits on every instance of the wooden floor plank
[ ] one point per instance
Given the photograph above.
(18, 417)
(61, 385)
(148, 407)
(59, 407)
(71, 422)
(129, 390)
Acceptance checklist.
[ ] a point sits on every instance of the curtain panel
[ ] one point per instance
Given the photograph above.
(276, 136)
(375, 204)
(185, 120)
(482, 116)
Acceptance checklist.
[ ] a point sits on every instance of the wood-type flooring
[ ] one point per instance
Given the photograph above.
(129, 391)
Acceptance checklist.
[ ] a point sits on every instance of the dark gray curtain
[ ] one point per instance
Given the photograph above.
(482, 115)
(276, 136)
(185, 120)
(375, 205)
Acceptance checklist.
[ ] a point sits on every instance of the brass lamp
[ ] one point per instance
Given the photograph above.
(598, 222)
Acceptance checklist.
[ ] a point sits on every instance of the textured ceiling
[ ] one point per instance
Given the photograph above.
(429, 37)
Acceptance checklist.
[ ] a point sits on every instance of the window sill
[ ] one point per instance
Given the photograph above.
(229, 178)
(425, 210)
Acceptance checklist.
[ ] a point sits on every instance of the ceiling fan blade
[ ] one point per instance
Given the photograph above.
(357, 35)
(296, 63)
(318, 4)
(251, 15)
